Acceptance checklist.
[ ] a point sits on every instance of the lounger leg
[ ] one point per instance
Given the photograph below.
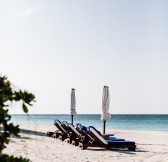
(69, 140)
(131, 148)
(82, 146)
(63, 138)
(54, 135)
(76, 143)
(49, 134)
(57, 135)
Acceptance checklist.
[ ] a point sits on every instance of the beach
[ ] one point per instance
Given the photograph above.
(152, 146)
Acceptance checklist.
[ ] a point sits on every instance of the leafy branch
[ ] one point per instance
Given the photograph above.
(8, 95)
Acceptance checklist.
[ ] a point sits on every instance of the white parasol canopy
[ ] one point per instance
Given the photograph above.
(105, 104)
(73, 102)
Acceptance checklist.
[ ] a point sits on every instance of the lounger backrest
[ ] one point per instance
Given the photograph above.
(83, 128)
(88, 129)
(78, 126)
(59, 126)
(74, 129)
(98, 137)
(65, 125)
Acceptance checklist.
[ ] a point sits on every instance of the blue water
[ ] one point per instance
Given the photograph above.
(123, 122)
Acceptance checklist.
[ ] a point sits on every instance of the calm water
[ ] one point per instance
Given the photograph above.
(125, 122)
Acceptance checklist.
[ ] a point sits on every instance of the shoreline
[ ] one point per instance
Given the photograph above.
(99, 128)
(35, 145)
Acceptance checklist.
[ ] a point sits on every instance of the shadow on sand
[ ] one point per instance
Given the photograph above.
(124, 151)
(25, 131)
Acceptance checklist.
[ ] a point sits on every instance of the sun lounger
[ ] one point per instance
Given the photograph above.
(105, 136)
(98, 141)
(65, 125)
(85, 137)
(64, 133)
(61, 133)
(73, 134)
(58, 132)
(78, 134)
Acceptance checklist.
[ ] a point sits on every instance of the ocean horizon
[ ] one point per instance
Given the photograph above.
(145, 122)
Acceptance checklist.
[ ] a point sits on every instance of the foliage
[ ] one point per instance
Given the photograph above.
(8, 95)
(7, 158)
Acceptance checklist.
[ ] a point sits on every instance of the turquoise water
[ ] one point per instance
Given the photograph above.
(123, 122)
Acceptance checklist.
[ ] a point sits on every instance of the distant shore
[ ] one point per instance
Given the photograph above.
(35, 145)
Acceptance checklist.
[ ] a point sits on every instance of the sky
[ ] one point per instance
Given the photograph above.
(49, 47)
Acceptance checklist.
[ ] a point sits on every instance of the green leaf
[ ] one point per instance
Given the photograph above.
(25, 109)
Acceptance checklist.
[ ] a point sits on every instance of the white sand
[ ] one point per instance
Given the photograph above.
(151, 147)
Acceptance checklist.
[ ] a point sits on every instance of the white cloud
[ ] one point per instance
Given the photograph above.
(30, 11)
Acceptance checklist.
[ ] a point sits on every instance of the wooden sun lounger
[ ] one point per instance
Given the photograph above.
(74, 136)
(61, 133)
(54, 134)
(64, 133)
(105, 136)
(71, 134)
(98, 141)
(85, 137)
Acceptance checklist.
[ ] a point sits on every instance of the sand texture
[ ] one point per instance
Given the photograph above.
(35, 145)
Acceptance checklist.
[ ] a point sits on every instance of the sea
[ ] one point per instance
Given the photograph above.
(117, 121)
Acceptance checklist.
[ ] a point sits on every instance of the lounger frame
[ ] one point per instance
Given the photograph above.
(101, 142)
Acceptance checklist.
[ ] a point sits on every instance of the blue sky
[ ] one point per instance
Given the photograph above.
(49, 47)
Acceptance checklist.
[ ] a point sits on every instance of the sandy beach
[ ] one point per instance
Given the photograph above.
(152, 146)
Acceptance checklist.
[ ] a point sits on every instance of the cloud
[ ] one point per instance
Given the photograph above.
(30, 11)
